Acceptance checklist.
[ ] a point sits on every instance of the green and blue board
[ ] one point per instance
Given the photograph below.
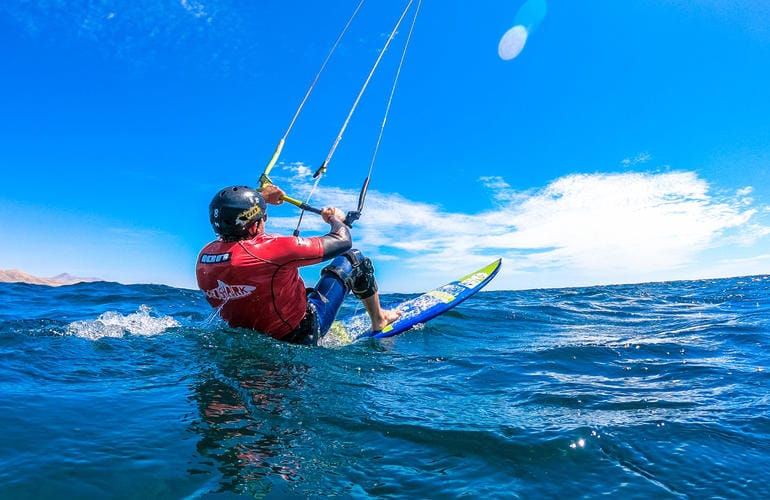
(414, 311)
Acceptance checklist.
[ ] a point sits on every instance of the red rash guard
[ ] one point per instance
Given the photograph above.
(256, 281)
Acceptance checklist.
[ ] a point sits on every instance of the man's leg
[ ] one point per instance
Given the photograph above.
(380, 317)
(330, 291)
(361, 281)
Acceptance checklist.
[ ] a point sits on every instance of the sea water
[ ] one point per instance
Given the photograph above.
(646, 391)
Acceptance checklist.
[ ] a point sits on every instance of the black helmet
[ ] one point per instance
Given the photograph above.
(234, 210)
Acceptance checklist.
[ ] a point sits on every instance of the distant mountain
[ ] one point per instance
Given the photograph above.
(17, 276)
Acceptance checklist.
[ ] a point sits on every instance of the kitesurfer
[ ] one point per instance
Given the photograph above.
(252, 278)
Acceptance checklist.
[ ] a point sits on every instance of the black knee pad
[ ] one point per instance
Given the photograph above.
(357, 276)
(364, 285)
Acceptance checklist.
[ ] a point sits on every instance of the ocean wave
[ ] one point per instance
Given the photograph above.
(652, 390)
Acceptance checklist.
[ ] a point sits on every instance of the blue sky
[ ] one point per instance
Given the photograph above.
(618, 142)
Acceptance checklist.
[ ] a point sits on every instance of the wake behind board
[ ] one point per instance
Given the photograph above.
(413, 311)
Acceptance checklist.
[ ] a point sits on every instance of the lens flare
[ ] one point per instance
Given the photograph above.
(512, 43)
(528, 18)
(531, 14)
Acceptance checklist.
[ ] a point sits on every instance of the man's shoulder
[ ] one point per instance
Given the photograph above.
(285, 240)
(289, 247)
(216, 245)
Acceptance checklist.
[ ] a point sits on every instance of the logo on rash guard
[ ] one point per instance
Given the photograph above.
(223, 291)
(215, 258)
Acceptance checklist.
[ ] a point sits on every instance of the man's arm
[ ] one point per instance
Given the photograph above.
(338, 240)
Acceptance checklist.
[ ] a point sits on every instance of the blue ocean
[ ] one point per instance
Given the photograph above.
(657, 390)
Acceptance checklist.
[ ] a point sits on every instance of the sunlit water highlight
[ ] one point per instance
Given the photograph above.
(656, 390)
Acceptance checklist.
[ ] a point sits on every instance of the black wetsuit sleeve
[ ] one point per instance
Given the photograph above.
(338, 241)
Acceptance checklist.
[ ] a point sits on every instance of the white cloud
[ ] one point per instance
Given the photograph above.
(300, 172)
(640, 158)
(580, 229)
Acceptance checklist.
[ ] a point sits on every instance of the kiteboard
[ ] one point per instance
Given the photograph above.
(414, 311)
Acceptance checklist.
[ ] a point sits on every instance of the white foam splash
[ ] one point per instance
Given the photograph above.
(113, 324)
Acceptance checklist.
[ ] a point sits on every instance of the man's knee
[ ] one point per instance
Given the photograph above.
(341, 268)
(363, 285)
(355, 271)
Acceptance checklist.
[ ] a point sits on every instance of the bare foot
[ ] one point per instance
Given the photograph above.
(387, 316)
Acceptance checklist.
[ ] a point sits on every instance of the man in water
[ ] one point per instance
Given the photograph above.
(252, 277)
